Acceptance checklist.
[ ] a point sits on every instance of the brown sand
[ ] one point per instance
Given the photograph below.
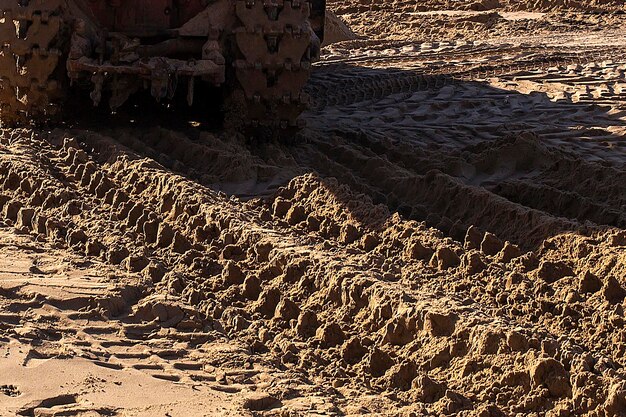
(446, 237)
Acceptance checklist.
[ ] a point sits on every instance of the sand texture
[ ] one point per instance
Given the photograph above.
(447, 236)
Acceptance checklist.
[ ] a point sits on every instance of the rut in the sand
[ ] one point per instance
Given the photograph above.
(289, 276)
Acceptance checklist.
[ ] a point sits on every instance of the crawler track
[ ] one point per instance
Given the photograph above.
(275, 62)
(32, 46)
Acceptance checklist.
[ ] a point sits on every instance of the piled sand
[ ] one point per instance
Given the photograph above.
(336, 30)
(475, 20)
(446, 237)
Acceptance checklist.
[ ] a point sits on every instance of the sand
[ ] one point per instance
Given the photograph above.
(447, 236)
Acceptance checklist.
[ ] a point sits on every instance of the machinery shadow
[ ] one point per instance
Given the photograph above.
(143, 111)
(448, 152)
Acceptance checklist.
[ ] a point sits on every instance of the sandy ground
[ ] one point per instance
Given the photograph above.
(446, 237)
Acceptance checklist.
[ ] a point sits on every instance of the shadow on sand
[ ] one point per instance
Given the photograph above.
(440, 150)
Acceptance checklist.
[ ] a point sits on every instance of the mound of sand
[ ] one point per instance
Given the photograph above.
(336, 30)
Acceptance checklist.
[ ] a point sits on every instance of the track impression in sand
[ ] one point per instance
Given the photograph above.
(334, 297)
(448, 238)
(522, 152)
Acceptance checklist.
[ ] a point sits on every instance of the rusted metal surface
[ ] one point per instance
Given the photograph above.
(260, 51)
(29, 57)
(144, 17)
(274, 42)
(161, 72)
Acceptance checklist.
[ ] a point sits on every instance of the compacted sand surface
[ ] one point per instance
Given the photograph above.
(447, 236)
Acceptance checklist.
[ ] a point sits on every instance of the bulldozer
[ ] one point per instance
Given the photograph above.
(256, 53)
